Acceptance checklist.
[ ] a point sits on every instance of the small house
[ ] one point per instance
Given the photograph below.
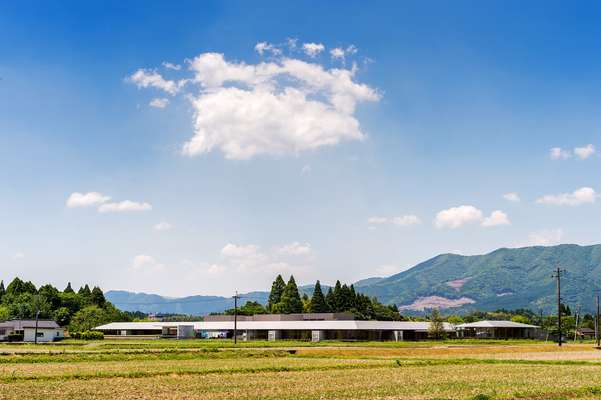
(25, 330)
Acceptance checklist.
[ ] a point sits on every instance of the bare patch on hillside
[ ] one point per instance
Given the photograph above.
(457, 284)
(422, 303)
(503, 294)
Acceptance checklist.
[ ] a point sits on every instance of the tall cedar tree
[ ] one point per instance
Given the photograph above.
(85, 291)
(318, 302)
(330, 301)
(2, 290)
(275, 296)
(97, 297)
(69, 289)
(291, 302)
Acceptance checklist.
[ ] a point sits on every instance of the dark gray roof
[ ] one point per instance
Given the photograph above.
(29, 323)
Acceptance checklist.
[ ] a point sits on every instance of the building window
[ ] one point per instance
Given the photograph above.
(2, 332)
(40, 334)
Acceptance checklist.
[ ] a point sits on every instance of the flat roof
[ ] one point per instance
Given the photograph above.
(495, 324)
(278, 325)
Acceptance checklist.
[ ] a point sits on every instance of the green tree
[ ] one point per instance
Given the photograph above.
(71, 301)
(97, 297)
(318, 301)
(51, 294)
(4, 314)
(20, 306)
(436, 329)
(330, 300)
(18, 287)
(336, 299)
(277, 289)
(40, 306)
(306, 303)
(250, 308)
(2, 290)
(62, 316)
(88, 318)
(291, 302)
(521, 319)
(69, 289)
(454, 319)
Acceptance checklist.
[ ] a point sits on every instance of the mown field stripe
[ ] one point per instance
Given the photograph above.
(398, 363)
(224, 371)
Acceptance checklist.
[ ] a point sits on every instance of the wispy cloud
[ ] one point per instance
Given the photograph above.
(584, 195)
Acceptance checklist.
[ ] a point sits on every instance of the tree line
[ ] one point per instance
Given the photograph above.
(79, 311)
(284, 298)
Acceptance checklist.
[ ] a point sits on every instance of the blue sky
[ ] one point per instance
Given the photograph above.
(396, 147)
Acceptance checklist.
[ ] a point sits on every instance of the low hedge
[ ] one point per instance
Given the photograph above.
(87, 335)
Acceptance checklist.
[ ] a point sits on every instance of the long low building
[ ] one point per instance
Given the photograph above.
(315, 327)
(299, 326)
(497, 330)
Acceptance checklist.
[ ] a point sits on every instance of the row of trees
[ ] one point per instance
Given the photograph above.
(284, 298)
(80, 311)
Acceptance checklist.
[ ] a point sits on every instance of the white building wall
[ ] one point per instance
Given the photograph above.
(44, 335)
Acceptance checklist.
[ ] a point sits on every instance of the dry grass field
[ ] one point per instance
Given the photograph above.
(288, 370)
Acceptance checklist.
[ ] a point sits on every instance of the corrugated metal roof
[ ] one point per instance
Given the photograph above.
(495, 324)
(278, 325)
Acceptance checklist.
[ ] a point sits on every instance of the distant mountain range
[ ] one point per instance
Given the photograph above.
(505, 278)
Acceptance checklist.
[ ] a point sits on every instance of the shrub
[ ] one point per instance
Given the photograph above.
(87, 335)
(15, 337)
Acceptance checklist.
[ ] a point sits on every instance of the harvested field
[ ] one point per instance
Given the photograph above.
(97, 370)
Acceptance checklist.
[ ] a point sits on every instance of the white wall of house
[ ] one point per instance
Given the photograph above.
(44, 334)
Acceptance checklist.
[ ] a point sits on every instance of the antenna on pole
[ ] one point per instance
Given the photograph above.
(557, 276)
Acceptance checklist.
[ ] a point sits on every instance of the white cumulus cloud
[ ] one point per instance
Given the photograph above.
(377, 220)
(234, 250)
(456, 217)
(313, 49)
(584, 195)
(295, 249)
(159, 102)
(143, 262)
(285, 106)
(124, 206)
(263, 47)
(144, 78)
(513, 197)
(403, 220)
(175, 67)
(89, 199)
(406, 220)
(496, 218)
(557, 153)
(585, 152)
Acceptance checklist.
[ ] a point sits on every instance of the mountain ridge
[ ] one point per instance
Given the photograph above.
(503, 278)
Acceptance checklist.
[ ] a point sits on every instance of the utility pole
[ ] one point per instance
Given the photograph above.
(236, 297)
(597, 322)
(557, 276)
(577, 320)
(37, 317)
